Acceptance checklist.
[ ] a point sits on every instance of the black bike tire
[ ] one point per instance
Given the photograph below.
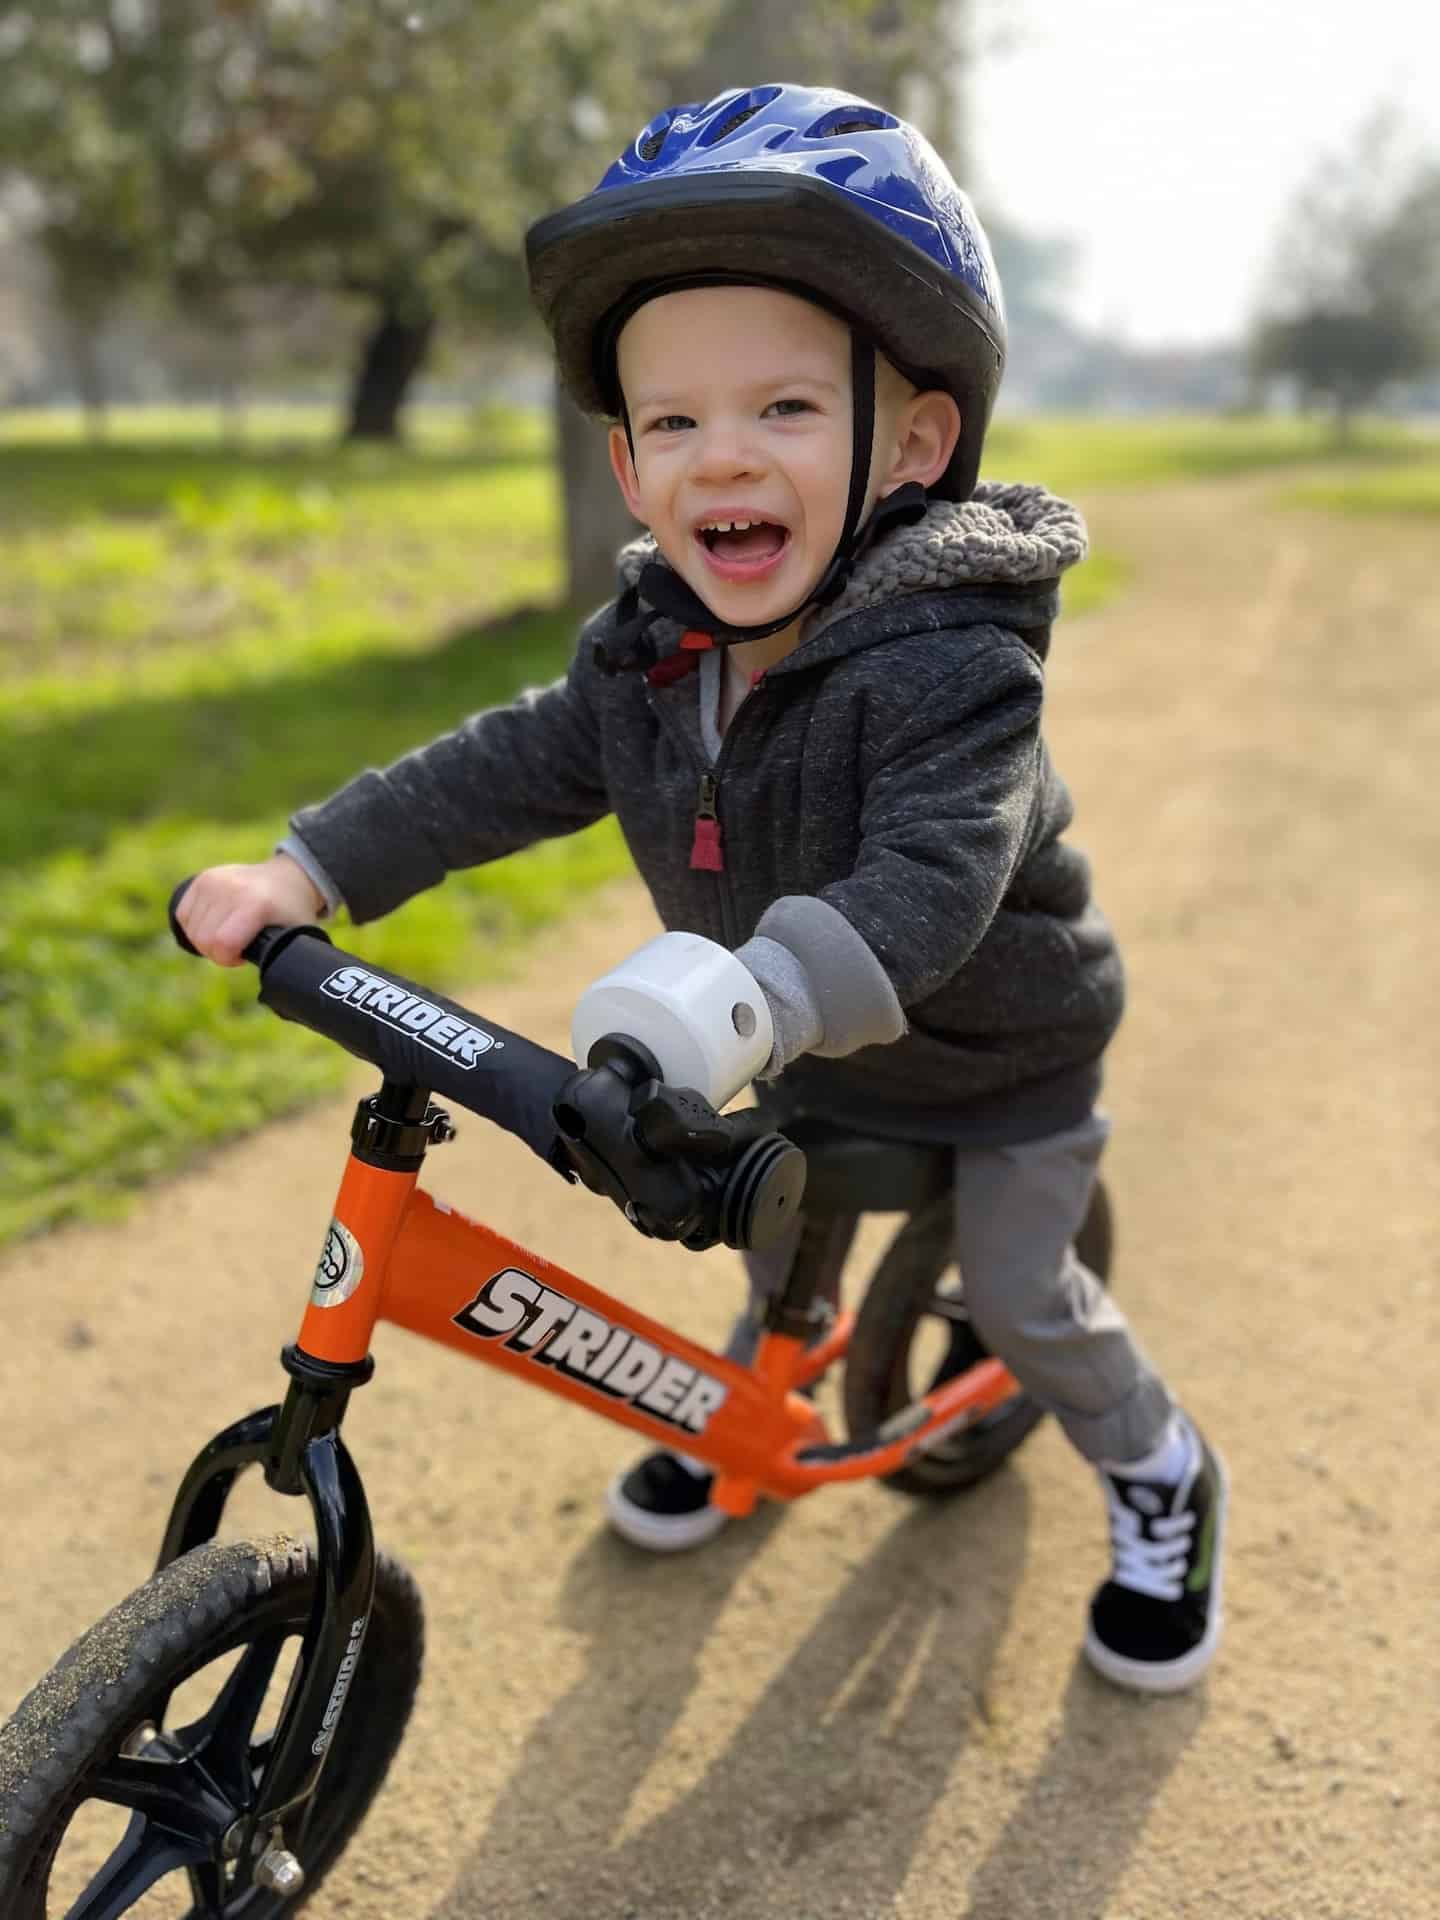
(202, 1606)
(877, 1367)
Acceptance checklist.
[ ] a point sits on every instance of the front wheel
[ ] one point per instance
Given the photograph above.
(912, 1334)
(132, 1761)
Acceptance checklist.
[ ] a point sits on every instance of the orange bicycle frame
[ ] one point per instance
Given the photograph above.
(396, 1254)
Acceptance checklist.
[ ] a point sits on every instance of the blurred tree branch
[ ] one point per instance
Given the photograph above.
(396, 151)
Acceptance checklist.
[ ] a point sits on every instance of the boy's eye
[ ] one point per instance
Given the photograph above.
(787, 408)
(670, 423)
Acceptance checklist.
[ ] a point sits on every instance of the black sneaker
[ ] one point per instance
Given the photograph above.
(663, 1503)
(1155, 1623)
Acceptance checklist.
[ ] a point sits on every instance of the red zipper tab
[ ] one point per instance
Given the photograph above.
(673, 667)
(707, 854)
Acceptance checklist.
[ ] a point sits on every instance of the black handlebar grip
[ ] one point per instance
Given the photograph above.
(177, 931)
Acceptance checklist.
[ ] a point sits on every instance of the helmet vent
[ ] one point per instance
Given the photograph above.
(730, 124)
(653, 139)
(731, 111)
(843, 120)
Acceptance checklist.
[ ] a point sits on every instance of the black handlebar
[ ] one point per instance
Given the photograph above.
(676, 1168)
(412, 1034)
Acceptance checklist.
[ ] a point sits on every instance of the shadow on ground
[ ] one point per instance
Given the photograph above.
(820, 1801)
(829, 1783)
(226, 756)
(1065, 1847)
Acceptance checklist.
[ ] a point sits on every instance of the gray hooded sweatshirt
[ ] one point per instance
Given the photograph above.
(878, 834)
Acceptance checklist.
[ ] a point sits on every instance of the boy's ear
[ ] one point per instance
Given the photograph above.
(929, 427)
(624, 470)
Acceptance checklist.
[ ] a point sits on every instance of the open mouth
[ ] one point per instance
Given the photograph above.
(742, 546)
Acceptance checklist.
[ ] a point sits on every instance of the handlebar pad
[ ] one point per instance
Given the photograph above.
(416, 1036)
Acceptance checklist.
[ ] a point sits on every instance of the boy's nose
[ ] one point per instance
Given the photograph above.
(725, 453)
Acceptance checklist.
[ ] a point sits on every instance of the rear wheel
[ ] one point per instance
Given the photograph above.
(913, 1334)
(123, 1772)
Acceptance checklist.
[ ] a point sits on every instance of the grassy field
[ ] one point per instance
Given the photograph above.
(197, 636)
(1081, 453)
(194, 639)
(1409, 490)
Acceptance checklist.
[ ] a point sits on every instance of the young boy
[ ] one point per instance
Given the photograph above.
(815, 709)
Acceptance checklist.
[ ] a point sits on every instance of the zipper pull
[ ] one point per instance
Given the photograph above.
(707, 855)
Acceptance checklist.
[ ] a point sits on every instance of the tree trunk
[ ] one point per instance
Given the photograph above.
(394, 354)
(234, 409)
(597, 521)
(81, 338)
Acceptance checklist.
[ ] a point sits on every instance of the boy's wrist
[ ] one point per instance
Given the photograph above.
(327, 895)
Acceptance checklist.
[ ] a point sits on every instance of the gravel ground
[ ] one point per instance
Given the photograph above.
(863, 1707)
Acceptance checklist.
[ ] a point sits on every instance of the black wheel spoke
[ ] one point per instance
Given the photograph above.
(949, 1307)
(144, 1856)
(222, 1625)
(177, 1796)
(222, 1734)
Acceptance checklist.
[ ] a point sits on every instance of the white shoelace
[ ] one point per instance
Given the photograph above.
(1155, 1567)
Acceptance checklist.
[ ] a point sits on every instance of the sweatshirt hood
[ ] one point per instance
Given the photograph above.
(996, 557)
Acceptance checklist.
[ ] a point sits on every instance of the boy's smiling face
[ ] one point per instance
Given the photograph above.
(740, 405)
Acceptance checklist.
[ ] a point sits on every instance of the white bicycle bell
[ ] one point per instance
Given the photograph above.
(693, 1004)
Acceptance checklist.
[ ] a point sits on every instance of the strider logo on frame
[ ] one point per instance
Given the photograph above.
(348, 1664)
(444, 1033)
(341, 1267)
(555, 1331)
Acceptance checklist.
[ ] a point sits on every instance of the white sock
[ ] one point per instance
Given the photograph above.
(1168, 1461)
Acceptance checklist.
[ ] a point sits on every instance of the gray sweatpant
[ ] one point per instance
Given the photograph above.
(1032, 1301)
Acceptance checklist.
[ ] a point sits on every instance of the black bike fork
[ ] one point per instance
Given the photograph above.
(299, 1448)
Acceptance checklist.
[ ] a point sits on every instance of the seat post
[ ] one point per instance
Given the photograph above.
(809, 1297)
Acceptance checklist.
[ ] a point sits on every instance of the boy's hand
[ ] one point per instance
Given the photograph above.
(225, 907)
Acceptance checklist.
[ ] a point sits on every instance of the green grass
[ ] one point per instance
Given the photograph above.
(1082, 453)
(196, 636)
(195, 639)
(121, 1057)
(1407, 491)
(1095, 582)
(267, 427)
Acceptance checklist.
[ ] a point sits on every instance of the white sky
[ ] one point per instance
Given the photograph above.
(1168, 136)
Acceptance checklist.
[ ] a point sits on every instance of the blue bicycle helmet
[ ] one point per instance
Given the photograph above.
(803, 187)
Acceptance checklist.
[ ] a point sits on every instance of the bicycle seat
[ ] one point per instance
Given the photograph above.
(856, 1173)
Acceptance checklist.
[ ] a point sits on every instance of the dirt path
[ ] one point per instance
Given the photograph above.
(861, 1708)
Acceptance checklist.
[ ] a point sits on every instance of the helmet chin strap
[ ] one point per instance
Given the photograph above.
(666, 595)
